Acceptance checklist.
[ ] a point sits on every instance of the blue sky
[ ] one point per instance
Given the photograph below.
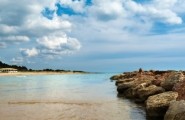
(93, 35)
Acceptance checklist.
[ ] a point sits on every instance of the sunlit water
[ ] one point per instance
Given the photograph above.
(64, 97)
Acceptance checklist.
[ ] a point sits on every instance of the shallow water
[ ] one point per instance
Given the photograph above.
(64, 97)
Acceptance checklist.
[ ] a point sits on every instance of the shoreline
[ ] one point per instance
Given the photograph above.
(39, 73)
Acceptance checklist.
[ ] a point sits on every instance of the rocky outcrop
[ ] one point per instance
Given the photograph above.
(154, 88)
(157, 105)
(176, 111)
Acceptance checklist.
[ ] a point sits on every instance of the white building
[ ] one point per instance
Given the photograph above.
(8, 70)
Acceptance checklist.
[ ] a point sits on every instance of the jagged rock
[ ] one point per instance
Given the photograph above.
(157, 105)
(176, 111)
(171, 80)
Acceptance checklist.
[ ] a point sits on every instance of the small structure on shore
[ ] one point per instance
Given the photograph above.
(8, 70)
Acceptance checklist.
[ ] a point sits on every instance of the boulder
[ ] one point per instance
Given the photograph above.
(179, 87)
(156, 82)
(124, 86)
(176, 111)
(132, 92)
(171, 80)
(144, 92)
(157, 105)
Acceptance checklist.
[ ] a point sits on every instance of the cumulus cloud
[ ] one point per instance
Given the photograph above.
(29, 52)
(157, 10)
(107, 10)
(44, 35)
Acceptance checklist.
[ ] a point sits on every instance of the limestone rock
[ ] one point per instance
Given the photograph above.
(145, 92)
(176, 111)
(157, 105)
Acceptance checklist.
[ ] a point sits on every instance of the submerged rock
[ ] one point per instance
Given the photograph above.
(176, 111)
(157, 105)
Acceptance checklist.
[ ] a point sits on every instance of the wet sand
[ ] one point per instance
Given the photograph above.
(62, 110)
(64, 97)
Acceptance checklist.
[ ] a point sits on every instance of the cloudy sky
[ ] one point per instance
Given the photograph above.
(93, 35)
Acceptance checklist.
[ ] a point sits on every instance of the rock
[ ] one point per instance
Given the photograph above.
(132, 83)
(144, 92)
(119, 82)
(157, 105)
(126, 85)
(180, 88)
(156, 82)
(117, 77)
(171, 80)
(130, 74)
(176, 111)
(132, 92)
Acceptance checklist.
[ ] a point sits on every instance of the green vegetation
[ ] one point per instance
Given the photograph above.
(25, 69)
(19, 68)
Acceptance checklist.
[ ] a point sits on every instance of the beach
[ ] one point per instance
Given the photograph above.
(37, 73)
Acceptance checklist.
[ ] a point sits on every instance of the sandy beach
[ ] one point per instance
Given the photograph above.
(37, 73)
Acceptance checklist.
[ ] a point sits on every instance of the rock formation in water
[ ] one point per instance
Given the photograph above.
(161, 91)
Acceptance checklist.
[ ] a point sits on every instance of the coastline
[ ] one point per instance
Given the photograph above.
(40, 73)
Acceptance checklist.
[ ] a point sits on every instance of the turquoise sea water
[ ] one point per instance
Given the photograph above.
(64, 97)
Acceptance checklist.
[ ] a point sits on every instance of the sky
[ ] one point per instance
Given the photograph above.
(93, 35)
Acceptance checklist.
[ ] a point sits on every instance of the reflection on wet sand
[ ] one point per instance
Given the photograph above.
(53, 102)
(64, 97)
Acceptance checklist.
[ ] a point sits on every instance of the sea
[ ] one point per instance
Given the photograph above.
(65, 97)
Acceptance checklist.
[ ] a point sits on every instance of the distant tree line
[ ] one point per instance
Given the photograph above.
(23, 68)
(20, 68)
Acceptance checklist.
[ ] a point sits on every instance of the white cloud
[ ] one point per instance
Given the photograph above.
(6, 29)
(40, 22)
(155, 11)
(29, 52)
(52, 42)
(58, 45)
(15, 39)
